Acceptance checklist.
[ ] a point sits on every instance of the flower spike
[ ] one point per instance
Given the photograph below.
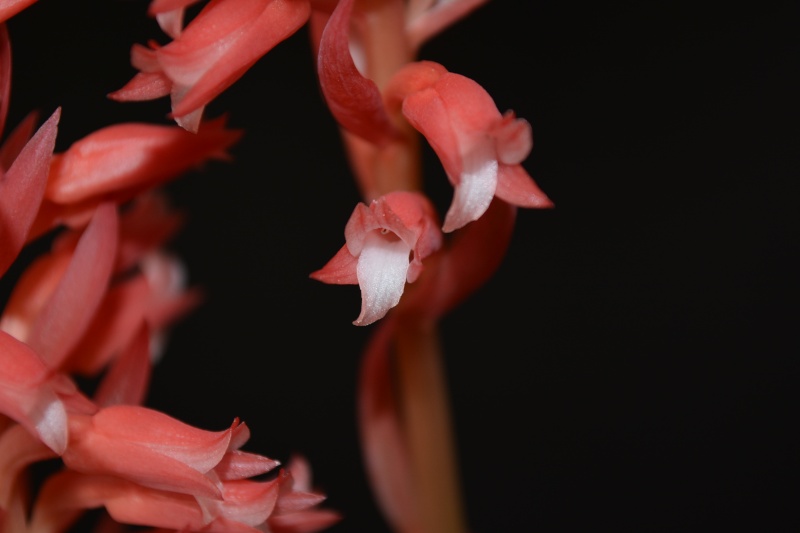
(385, 245)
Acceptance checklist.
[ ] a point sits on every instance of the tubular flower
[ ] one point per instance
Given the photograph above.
(244, 506)
(480, 149)
(91, 171)
(213, 51)
(148, 448)
(385, 246)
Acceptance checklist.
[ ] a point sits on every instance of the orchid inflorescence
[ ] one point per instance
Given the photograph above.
(97, 302)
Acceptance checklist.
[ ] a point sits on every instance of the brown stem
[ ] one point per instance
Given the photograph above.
(428, 428)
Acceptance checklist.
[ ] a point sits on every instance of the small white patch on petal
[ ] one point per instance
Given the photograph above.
(382, 269)
(475, 191)
(50, 419)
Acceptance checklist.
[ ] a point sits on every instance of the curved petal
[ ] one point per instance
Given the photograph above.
(354, 100)
(340, 270)
(382, 271)
(475, 191)
(426, 111)
(146, 447)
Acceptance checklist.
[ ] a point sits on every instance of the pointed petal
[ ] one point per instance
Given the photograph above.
(17, 140)
(143, 86)
(22, 190)
(340, 270)
(70, 309)
(516, 187)
(241, 465)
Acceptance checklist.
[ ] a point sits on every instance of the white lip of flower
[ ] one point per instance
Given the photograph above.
(382, 271)
(476, 187)
(385, 244)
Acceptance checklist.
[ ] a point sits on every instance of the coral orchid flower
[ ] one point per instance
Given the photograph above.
(385, 245)
(214, 50)
(480, 148)
(28, 393)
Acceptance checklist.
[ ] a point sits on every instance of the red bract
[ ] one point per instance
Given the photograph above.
(22, 188)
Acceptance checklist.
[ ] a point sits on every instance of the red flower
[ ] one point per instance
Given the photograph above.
(480, 149)
(386, 243)
(213, 51)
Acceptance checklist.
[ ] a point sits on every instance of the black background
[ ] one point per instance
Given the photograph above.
(631, 367)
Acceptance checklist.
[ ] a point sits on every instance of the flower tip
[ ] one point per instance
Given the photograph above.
(361, 322)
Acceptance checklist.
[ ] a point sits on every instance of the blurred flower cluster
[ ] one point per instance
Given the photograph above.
(98, 302)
